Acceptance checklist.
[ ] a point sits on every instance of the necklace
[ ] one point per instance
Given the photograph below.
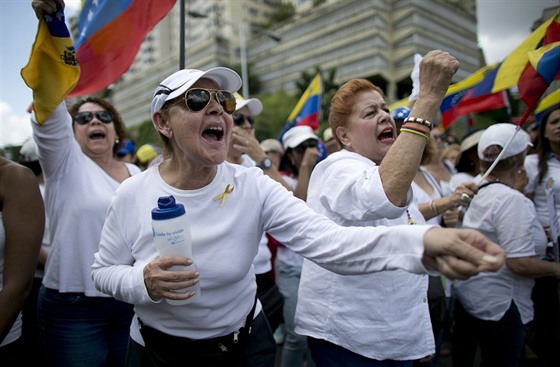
(496, 179)
(410, 220)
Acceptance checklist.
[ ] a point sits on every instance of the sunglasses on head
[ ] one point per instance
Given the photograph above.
(197, 98)
(83, 118)
(239, 120)
(303, 146)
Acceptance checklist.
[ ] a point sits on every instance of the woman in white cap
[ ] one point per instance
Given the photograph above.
(228, 208)
(492, 310)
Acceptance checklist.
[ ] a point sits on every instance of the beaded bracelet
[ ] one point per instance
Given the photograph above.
(414, 131)
(418, 120)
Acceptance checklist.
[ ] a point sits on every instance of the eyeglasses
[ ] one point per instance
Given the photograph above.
(83, 118)
(303, 146)
(239, 120)
(197, 98)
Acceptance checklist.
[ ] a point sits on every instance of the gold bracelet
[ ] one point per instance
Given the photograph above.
(418, 120)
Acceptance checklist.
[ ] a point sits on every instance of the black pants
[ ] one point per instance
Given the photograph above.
(271, 299)
(546, 323)
(258, 351)
(501, 342)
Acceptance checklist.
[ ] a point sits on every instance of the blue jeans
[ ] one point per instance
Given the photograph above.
(76, 330)
(294, 349)
(327, 354)
(501, 342)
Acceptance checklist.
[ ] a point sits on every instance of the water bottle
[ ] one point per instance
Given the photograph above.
(172, 236)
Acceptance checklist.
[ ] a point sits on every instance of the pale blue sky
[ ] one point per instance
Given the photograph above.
(502, 25)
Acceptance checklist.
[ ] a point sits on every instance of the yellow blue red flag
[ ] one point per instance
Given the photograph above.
(460, 101)
(52, 70)
(110, 33)
(543, 67)
(308, 109)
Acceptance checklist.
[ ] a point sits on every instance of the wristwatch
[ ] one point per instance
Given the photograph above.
(266, 163)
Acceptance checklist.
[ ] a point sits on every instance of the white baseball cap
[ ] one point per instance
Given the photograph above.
(254, 105)
(297, 135)
(500, 134)
(177, 83)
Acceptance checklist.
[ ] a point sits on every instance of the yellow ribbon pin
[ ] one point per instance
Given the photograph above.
(223, 195)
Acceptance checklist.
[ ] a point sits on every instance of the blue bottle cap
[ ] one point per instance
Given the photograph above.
(167, 208)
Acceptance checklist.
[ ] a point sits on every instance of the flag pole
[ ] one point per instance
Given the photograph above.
(182, 35)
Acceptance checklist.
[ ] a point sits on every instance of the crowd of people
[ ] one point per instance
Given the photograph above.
(386, 251)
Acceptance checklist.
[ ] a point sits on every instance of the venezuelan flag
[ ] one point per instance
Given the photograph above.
(52, 70)
(110, 33)
(543, 67)
(461, 98)
(308, 108)
(546, 61)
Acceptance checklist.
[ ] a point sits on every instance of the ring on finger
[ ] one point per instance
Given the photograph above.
(466, 198)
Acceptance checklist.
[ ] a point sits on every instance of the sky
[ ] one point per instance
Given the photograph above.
(502, 26)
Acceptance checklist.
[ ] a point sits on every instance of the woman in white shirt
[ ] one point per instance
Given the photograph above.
(361, 320)
(492, 310)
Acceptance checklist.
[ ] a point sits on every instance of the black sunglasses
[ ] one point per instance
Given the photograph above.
(197, 98)
(303, 146)
(239, 120)
(83, 118)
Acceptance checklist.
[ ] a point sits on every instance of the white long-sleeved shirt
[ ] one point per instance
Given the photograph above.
(383, 315)
(77, 194)
(225, 241)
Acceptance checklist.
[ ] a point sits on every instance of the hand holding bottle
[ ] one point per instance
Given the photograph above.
(174, 274)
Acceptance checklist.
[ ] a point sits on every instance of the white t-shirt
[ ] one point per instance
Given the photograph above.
(383, 315)
(225, 241)
(77, 195)
(508, 218)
